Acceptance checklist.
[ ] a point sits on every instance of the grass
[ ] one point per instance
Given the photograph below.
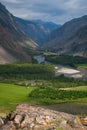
(84, 66)
(11, 95)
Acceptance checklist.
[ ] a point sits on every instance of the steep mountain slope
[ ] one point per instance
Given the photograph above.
(37, 30)
(61, 40)
(77, 44)
(12, 40)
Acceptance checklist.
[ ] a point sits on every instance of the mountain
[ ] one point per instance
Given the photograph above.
(13, 42)
(37, 30)
(70, 38)
(77, 44)
(48, 25)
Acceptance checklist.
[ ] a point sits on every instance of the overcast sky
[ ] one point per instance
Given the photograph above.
(58, 11)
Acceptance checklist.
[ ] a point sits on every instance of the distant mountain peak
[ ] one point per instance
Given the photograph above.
(47, 24)
(37, 30)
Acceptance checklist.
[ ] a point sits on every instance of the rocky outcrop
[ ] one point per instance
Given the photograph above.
(27, 117)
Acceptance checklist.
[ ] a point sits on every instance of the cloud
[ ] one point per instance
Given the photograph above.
(12, 1)
(58, 11)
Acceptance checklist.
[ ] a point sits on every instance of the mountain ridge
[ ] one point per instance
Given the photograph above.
(61, 37)
(37, 30)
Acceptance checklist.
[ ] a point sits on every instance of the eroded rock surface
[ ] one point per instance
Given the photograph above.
(27, 117)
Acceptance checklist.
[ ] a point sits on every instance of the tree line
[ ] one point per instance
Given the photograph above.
(26, 71)
(66, 59)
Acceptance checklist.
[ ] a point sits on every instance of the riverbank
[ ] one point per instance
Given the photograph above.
(66, 71)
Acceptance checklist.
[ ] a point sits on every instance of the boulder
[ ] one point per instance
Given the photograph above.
(9, 126)
(26, 121)
(75, 123)
(1, 122)
(40, 120)
(84, 120)
(17, 120)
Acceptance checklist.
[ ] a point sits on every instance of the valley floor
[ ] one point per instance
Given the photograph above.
(66, 70)
(11, 95)
(36, 84)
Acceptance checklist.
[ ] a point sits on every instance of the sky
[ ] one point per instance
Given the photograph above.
(58, 11)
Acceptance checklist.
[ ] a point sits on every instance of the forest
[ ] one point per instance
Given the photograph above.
(70, 60)
(26, 71)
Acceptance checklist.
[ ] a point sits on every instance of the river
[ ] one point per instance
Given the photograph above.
(39, 58)
(67, 71)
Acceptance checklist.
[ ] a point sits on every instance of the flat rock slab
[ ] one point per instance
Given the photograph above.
(27, 117)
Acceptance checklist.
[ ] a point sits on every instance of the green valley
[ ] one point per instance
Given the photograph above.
(36, 84)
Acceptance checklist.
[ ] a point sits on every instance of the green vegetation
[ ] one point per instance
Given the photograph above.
(51, 95)
(11, 95)
(36, 83)
(84, 66)
(65, 82)
(33, 53)
(66, 60)
(26, 71)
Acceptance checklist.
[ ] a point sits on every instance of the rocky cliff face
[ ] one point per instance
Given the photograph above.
(12, 39)
(27, 117)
